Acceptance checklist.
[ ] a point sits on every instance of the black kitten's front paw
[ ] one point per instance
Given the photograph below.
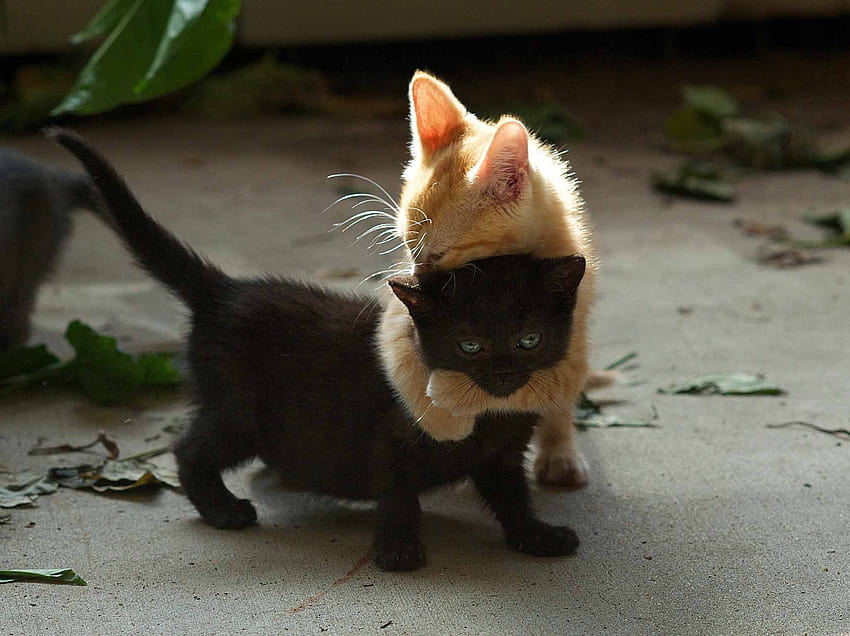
(541, 539)
(235, 515)
(399, 554)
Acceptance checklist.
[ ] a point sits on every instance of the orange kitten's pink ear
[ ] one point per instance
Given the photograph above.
(435, 114)
(503, 172)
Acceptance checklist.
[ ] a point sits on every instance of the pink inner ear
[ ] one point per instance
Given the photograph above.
(503, 172)
(437, 113)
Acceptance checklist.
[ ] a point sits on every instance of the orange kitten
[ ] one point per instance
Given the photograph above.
(475, 189)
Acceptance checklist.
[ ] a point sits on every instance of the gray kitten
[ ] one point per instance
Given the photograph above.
(35, 205)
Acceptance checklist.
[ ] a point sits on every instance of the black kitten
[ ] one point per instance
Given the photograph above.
(35, 202)
(289, 372)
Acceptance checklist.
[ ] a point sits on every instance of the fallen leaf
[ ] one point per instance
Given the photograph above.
(24, 360)
(752, 228)
(784, 256)
(838, 226)
(23, 489)
(588, 414)
(114, 475)
(735, 383)
(696, 180)
(711, 101)
(100, 370)
(58, 575)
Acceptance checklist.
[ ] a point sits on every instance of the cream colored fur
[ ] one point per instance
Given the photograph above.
(470, 193)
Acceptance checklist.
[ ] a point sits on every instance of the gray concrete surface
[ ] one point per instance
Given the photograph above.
(709, 524)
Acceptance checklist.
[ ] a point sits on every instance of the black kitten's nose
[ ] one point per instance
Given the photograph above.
(504, 384)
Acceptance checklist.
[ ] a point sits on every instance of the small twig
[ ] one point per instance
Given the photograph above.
(837, 432)
(111, 447)
(151, 452)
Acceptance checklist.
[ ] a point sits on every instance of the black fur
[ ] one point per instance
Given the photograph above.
(35, 205)
(288, 372)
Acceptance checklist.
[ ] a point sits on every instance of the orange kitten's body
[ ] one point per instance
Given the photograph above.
(474, 190)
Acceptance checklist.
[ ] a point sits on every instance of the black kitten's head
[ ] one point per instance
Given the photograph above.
(497, 319)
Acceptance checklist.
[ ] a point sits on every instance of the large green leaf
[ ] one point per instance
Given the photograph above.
(54, 575)
(106, 374)
(156, 47)
(104, 21)
(197, 36)
(158, 370)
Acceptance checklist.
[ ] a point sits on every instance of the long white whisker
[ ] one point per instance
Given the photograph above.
(390, 251)
(357, 218)
(386, 227)
(355, 195)
(367, 180)
(374, 200)
(383, 238)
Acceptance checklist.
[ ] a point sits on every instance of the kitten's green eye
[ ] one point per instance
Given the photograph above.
(528, 341)
(470, 346)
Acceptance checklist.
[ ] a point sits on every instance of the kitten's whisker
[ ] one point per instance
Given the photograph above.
(385, 237)
(416, 250)
(375, 228)
(391, 250)
(349, 223)
(354, 195)
(425, 218)
(367, 180)
(386, 205)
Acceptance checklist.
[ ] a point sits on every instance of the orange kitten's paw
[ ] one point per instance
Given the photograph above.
(560, 469)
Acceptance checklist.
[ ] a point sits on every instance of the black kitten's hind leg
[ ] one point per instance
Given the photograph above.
(397, 545)
(504, 487)
(201, 456)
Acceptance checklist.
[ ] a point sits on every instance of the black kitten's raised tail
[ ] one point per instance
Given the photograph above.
(163, 255)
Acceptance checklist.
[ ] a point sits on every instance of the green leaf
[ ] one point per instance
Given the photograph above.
(198, 34)
(104, 21)
(156, 47)
(25, 360)
(838, 222)
(158, 370)
(735, 383)
(696, 180)
(692, 129)
(57, 575)
(104, 373)
(711, 101)
(123, 58)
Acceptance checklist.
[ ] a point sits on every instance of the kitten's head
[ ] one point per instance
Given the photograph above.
(497, 321)
(467, 189)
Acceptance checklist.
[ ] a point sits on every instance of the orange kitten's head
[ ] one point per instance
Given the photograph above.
(469, 189)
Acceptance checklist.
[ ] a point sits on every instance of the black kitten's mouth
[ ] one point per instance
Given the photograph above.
(502, 385)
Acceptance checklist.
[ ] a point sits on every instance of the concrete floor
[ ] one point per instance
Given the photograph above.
(710, 523)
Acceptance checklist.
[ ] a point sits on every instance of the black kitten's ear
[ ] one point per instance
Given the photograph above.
(563, 275)
(408, 291)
